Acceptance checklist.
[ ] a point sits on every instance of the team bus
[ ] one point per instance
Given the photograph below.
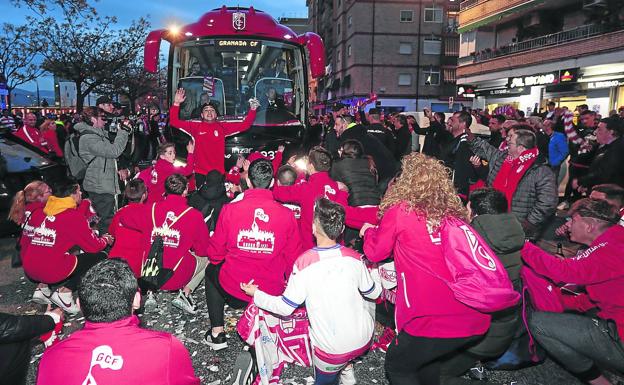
(232, 54)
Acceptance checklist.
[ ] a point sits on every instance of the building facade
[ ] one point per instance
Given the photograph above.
(400, 53)
(526, 53)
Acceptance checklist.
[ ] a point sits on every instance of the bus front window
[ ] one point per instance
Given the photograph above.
(229, 72)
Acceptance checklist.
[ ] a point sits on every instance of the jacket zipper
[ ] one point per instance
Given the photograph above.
(405, 290)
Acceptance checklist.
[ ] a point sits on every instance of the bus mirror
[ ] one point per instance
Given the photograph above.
(152, 50)
(316, 49)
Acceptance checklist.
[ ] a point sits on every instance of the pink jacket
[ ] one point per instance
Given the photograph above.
(425, 306)
(210, 138)
(155, 176)
(305, 194)
(117, 353)
(188, 233)
(129, 243)
(46, 257)
(257, 238)
(599, 268)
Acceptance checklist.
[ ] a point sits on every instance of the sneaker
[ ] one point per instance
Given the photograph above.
(347, 376)
(65, 301)
(150, 302)
(242, 368)
(184, 302)
(478, 373)
(216, 343)
(384, 340)
(42, 295)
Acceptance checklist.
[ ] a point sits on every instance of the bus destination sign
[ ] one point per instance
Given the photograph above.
(235, 45)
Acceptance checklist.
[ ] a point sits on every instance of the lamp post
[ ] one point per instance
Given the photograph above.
(38, 100)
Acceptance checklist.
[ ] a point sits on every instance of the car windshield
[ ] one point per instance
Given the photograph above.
(229, 72)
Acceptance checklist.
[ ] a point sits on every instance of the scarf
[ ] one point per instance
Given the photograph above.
(512, 170)
(57, 205)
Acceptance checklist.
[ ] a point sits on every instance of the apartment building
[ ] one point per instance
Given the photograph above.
(526, 53)
(401, 54)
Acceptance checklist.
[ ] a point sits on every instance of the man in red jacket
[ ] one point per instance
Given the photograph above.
(112, 348)
(318, 185)
(185, 237)
(582, 343)
(31, 134)
(209, 134)
(255, 238)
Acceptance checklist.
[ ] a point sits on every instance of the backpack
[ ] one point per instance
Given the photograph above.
(153, 274)
(478, 279)
(77, 166)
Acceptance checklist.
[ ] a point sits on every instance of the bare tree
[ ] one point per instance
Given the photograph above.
(18, 57)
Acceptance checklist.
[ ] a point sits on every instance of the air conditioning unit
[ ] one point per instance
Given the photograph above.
(593, 4)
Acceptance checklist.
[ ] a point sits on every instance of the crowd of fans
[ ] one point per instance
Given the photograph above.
(355, 231)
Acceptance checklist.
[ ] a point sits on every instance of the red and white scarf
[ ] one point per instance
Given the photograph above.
(512, 171)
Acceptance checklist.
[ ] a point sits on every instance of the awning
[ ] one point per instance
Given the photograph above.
(498, 16)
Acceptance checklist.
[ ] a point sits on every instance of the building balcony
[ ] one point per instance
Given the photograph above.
(583, 41)
(484, 11)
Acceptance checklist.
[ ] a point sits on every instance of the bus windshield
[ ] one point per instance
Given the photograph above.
(228, 72)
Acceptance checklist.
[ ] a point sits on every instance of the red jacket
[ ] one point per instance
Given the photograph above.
(210, 138)
(117, 353)
(155, 176)
(33, 136)
(425, 306)
(189, 232)
(599, 268)
(305, 194)
(46, 258)
(52, 142)
(257, 238)
(129, 243)
(356, 216)
(27, 229)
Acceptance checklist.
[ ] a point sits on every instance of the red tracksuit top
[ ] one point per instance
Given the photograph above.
(117, 353)
(189, 232)
(425, 306)
(155, 176)
(305, 194)
(33, 136)
(599, 268)
(210, 138)
(257, 238)
(129, 243)
(46, 258)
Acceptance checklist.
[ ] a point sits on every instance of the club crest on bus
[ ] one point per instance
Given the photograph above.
(239, 21)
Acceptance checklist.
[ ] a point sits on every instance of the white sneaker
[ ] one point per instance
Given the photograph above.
(185, 303)
(347, 376)
(65, 301)
(42, 295)
(150, 302)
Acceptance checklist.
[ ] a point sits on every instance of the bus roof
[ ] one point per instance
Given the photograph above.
(233, 21)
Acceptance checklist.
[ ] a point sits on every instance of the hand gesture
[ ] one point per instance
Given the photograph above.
(365, 227)
(254, 104)
(476, 161)
(108, 238)
(249, 288)
(180, 97)
(190, 147)
(563, 230)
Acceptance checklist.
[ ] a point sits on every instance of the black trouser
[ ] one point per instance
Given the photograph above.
(384, 314)
(85, 262)
(104, 205)
(14, 359)
(414, 360)
(216, 297)
(579, 343)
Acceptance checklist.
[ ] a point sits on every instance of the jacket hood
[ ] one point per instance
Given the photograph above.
(502, 231)
(56, 205)
(82, 127)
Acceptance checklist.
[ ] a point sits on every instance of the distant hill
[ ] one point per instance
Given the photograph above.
(21, 99)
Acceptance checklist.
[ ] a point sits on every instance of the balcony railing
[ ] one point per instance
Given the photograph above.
(545, 41)
(468, 4)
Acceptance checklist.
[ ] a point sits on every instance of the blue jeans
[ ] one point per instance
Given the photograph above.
(322, 378)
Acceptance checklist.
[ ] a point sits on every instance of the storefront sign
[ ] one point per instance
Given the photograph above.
(555, 77)
(604, 84)
(504, 92)
(466, 91)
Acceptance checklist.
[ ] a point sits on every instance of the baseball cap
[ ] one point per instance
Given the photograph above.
(103, 100)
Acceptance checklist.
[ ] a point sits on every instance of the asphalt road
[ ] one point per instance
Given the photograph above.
(214, 368)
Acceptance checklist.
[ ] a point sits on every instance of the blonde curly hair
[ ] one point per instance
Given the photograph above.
(425, 187)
